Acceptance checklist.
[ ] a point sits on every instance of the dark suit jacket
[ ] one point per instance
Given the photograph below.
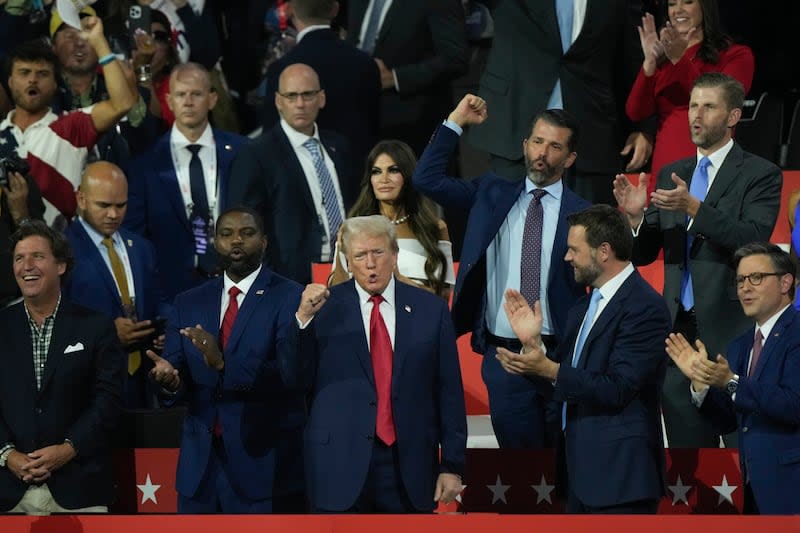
(352, 86)
(256, 399)
(156, 209)
(488, 199)
(270, 179)
(767, 414)
(741, 207)
(427, 397)
(91, 284)
(614, 446)
(425, 42)
(596, 74)
(79, 400)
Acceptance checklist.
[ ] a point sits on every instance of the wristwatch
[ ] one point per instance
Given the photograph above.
(732, 385)
(4, 456)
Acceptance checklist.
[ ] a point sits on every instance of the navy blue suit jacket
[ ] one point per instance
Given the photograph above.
(156, 209)
(427, 397)
(767, 413)
(256, 399)
(489, 199)
(91, 284)
(270, 179)
(79, 400)
(613, 441)
(352, 85)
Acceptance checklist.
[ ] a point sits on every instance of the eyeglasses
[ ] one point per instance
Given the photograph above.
(756, 278)
(307, 96)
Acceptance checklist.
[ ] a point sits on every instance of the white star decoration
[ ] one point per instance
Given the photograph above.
(498, 490)
(543, 491)
(725, 491)
(149, 490)
(679, 491)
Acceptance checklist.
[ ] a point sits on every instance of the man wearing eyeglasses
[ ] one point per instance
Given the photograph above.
(756, 385)
(296, 176)
(702, 210)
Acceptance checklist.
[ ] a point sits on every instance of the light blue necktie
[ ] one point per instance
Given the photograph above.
(329, 200)
(564, 13)
(594, 301)
(697, 188)
(371, 33)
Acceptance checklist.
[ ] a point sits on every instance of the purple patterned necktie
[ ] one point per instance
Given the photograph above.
(531, 259)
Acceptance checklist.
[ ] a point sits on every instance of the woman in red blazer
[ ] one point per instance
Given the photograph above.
(690, 44)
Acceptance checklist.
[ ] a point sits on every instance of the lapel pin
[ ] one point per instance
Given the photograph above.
(130, 243)
(228, 147)
(408, 308)
(260, 292)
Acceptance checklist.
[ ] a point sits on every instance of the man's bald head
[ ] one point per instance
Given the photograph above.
(103, 197)
(299, 97)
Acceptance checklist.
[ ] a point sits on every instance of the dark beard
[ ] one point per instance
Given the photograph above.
(242, 267)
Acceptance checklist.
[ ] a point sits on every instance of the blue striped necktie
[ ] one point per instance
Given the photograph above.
(329, 200)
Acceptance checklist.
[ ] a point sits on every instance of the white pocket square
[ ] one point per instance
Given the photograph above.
(77, 347)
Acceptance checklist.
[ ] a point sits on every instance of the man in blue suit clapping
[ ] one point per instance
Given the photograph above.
(756, 386)
(606, 375)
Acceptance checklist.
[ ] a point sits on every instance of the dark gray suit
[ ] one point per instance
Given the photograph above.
(425, 42)
(741, 207)
(596, 74)
(268, 177)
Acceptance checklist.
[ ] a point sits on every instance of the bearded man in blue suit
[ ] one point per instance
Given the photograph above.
(229, 355)
(496, 254)
(607, 374)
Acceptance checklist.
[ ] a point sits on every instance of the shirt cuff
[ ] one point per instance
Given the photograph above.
(396, 83)
(698, 397)
(302, 325)
(639, 227)
(453, 126)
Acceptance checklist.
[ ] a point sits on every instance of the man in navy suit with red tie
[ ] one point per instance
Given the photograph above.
(757, 386)
(228, 354)
(386, 389)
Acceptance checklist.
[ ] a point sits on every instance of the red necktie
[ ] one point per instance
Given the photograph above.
(757, 347)
(230, 316)
(380, 348)
(225, 333)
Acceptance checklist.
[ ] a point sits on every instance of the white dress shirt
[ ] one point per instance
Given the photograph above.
(244, 286)
(181, 157)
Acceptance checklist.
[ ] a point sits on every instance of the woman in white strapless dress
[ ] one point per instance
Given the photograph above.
(426, 254)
